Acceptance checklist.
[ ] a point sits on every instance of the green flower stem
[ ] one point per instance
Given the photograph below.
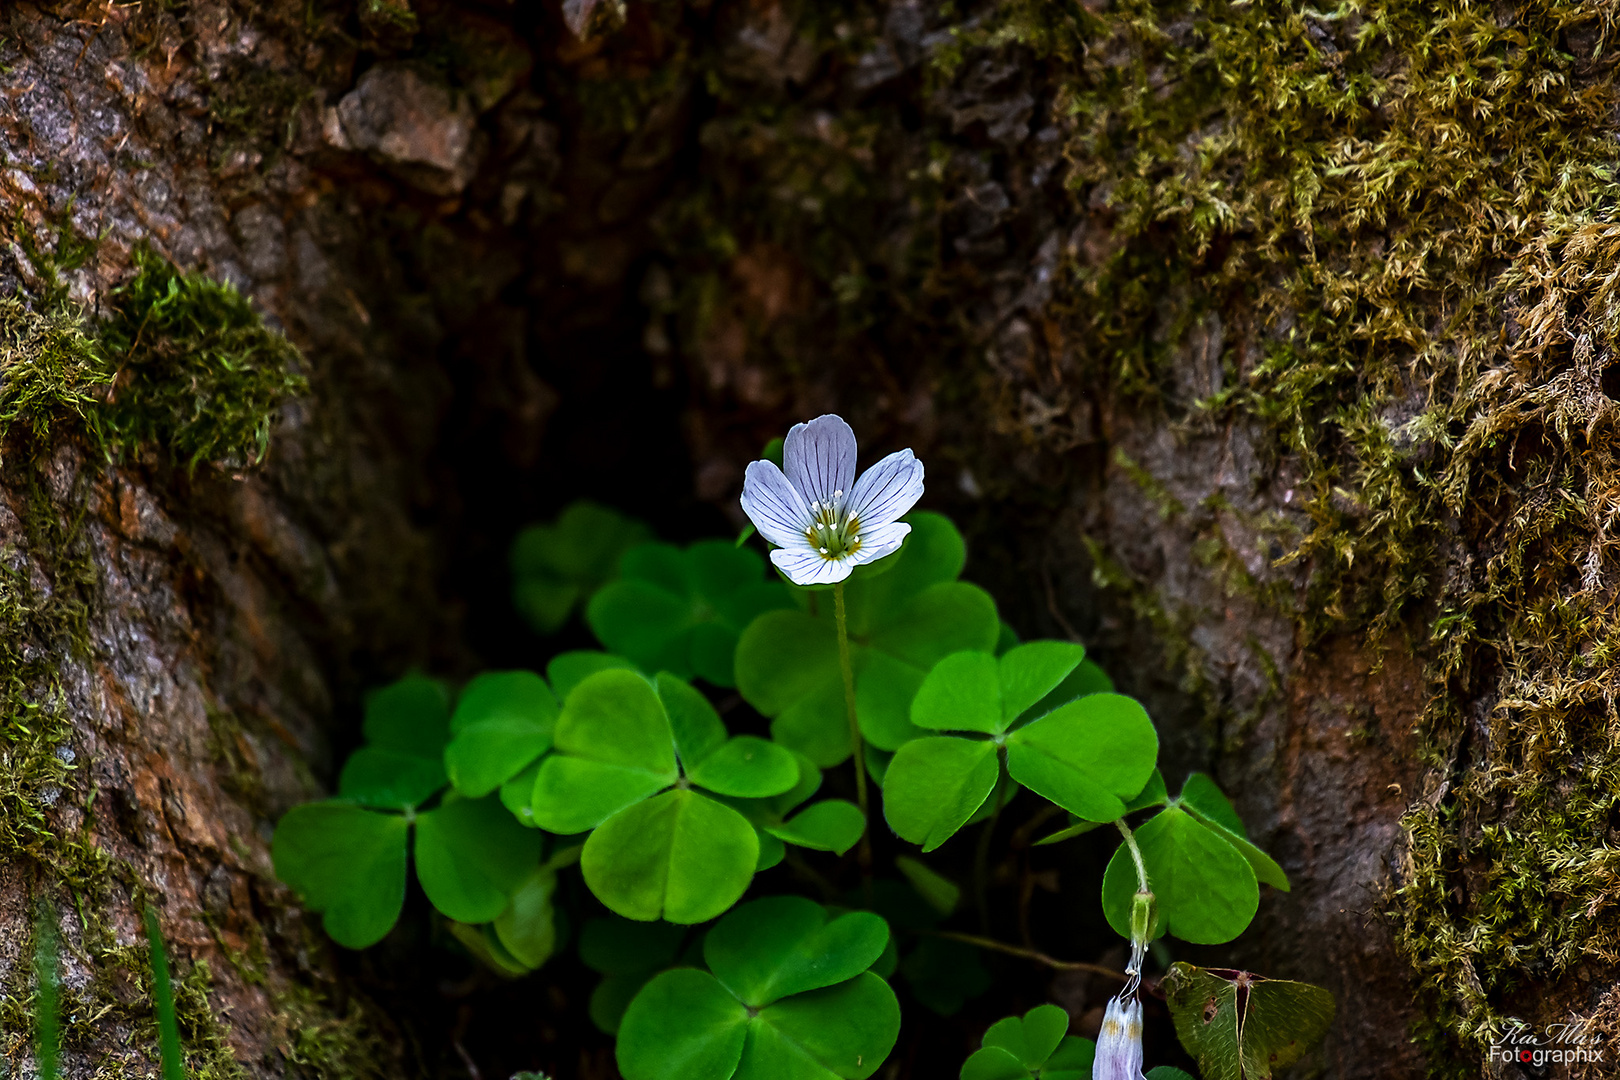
(1028, 954)
(981, 856)
(801, 866)
(1141, 912)
(1136, 855)
(856, 746)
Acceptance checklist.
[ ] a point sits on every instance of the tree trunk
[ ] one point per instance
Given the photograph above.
(1264, 350)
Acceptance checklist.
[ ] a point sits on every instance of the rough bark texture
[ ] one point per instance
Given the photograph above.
(1163, 294)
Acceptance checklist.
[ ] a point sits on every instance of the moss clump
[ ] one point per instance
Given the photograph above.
(198, 372)
(51, 370)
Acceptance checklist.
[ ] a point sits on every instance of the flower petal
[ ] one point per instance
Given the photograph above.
(819, 458)
(879, 541)
(886, 490)
(1119, 1043)
(804, 565)
(773, 505)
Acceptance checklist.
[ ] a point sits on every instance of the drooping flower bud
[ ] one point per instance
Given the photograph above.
(1143, 906)
(1119, 1043)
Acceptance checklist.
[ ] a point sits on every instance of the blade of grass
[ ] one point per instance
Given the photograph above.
(47, 993)
(163, 1002)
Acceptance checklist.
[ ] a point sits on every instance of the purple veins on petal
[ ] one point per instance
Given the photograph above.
(819, 458)
(775, 507)
(819, 518)
(888, 489)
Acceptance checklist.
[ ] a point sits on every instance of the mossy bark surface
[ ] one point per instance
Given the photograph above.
(1266, 349)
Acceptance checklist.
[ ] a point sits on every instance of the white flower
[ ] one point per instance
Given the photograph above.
(822, 520)
(1119, 1043)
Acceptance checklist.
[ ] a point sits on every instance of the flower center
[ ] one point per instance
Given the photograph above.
(833, 534)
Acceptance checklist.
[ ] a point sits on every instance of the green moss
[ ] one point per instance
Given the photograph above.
(333, 1046)
(208, 1052)
(395, 15)
(253, 110)
(43, 623)
(52, 249)
(199, 374)
(51, 371)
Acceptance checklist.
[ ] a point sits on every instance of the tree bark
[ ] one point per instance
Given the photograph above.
(531, 253)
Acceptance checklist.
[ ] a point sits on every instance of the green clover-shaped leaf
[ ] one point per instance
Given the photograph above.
(525, 935)
(555, 566)
(626, 954)
(681, 610)
(1199, 792)
(1034, 1045)
(680, 855)
(612, 749)
(975, 691)
(502, 724)
(1239, 1025)
(1087, 755)
(1153, 794)
(904, 616)
(784, 945)
(829, 825)
(935, 785)
(347, 857)
(832, 825)
(789, 998)
(1204, 876)
(402, 762)
(1086, 678)
(1205, 892)
(646, 769)
(346, 862)
(528, 927)
(471, 857)
(567, 670)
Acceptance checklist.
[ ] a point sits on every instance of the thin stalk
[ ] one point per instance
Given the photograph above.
(1139, 930)
(163, 1003)
(47, 991)
(847, 667)
(801, 866)
(1136, 855)
(1028, 954)
(981, 857)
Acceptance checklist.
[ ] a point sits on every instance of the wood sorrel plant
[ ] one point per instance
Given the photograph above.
(618, 762)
